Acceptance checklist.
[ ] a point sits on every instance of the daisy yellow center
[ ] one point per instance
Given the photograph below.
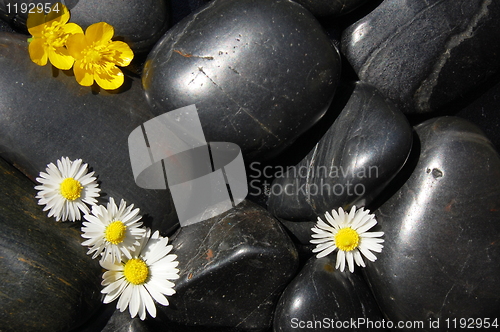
(136, 271)
(347, 239)
(71, 189)
(115, 232)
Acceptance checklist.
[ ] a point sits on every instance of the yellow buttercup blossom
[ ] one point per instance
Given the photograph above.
(49, 34)
(97, 57)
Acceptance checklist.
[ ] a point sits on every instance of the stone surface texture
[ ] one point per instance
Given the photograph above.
(442, 229)
(322, 293)
(322, 8)
(360, 153)
(261, 72)
(233, 269)
(424, 54)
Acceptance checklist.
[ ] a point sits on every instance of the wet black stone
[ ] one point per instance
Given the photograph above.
(441, 250)
(300, 232)
(140, 23)
(357, 157)
(47, 282)
(232, 271)
(424, 54)
(483, 111)
(122, 322)
(260, 72)
(45, 115)
(99, 319)
(4, 27)
(330, 7)
(324, 296)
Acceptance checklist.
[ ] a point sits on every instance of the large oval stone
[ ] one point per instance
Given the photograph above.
(442, 230)
(321, 297)
(261, 72)
(232, 270)
(47, 282)
(45, 114)
(140, 23)
(360, 153)
(423, 54)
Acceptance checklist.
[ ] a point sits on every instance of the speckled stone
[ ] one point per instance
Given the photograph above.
(424, 54)
(261, 72)
(45, 115)
(232, 270)
(442, 248)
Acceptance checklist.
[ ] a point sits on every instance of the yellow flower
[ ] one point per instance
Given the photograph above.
(50, 33)
(97, 56)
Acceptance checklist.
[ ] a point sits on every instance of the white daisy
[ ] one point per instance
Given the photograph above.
(347, 232)
(66, 188)
(113, 231)
(137, 281)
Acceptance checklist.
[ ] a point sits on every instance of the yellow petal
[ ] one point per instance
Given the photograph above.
(72, 28)
(60, 58)
(76, 44)
(35, 23)
(37, 52)
(100, 32)
(123, 55)
(59, 13)
(109, 78)
(83, 76)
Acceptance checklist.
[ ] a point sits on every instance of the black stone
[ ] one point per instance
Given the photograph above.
(122, 322)
(45, 115)
(47, 282)
(320, 297)
(330, 7)
(232, 270)
(357, 157)
(140, 23)
(424, 54)
(99, 319)
(261, 72)
(442, 248)
(300, 232)
(483, 111)
(4, 27)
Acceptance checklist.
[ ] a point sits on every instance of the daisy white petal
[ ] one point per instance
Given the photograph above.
(124, 297)
(66, 189)
(347, 232)
(323, 246)
(112, 232)
(340, 260)
(358, 258)
(350, 260)
(148, 301)
(144, 278)
(326, 251)
(157, 295)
